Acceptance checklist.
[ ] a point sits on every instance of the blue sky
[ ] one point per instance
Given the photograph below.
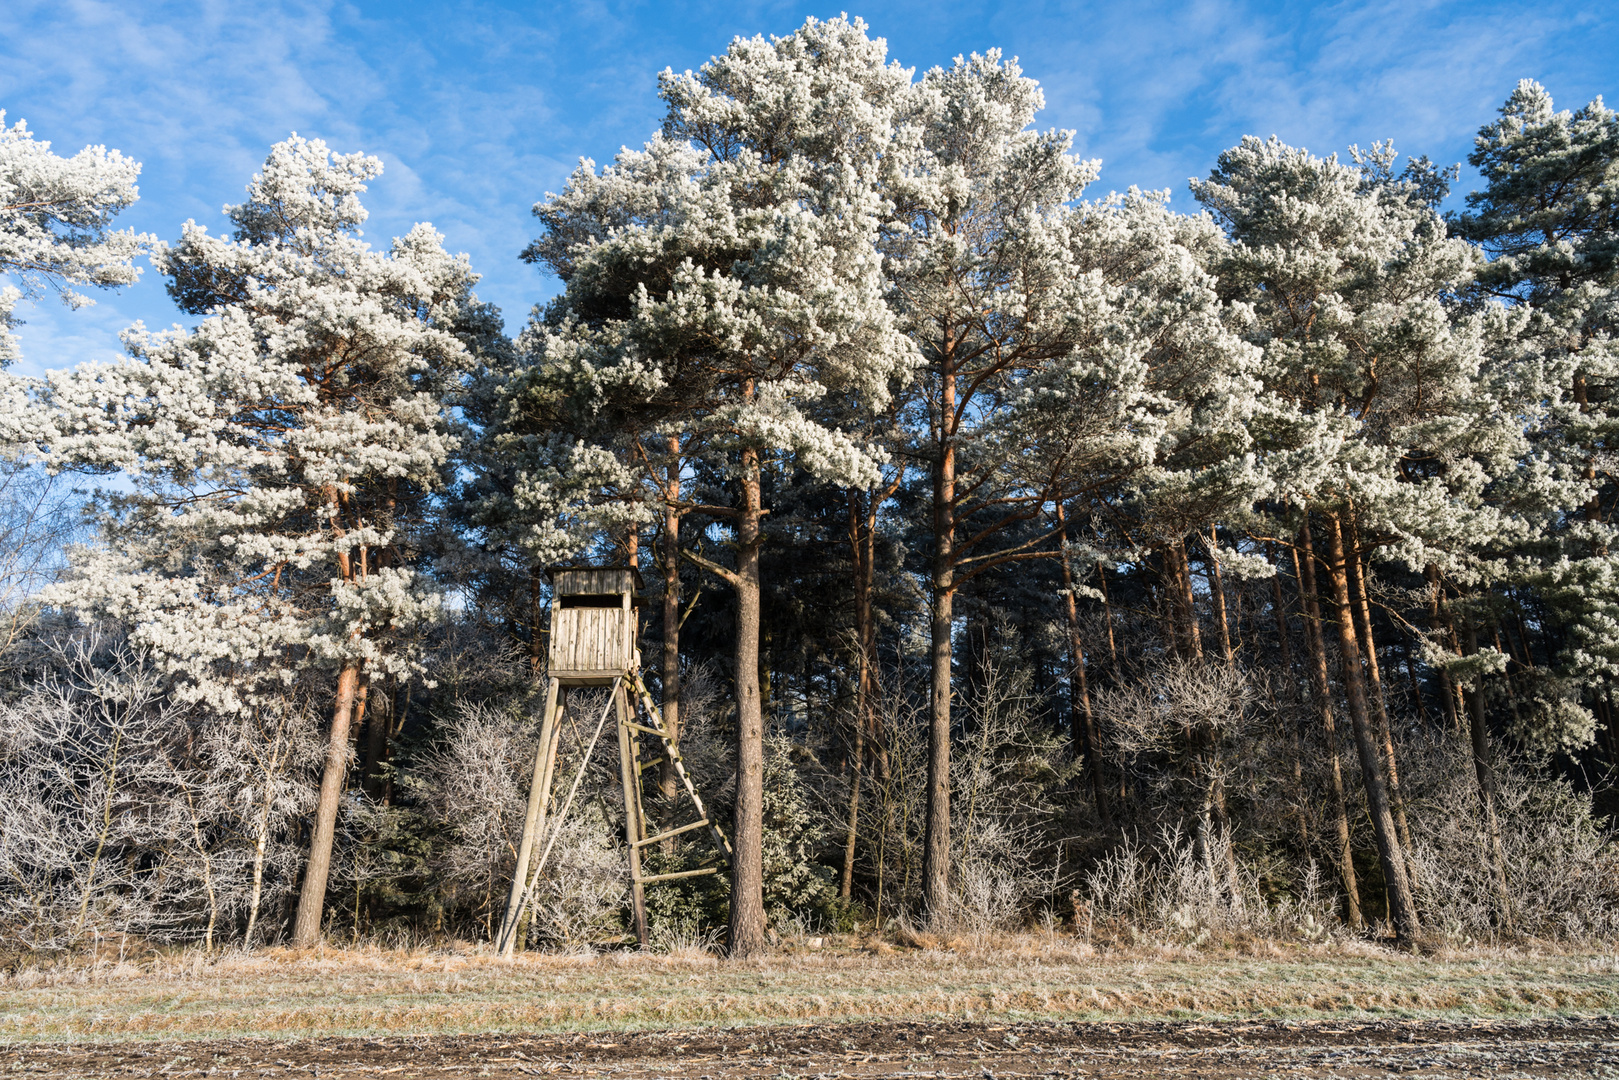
(479, 108)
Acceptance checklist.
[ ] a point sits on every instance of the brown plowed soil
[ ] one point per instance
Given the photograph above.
(1587, 1047)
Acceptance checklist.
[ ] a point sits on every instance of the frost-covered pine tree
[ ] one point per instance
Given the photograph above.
(1040, 322)
(1548, 218)
(1175, 456)
(1382, 426)
(986, 287)
(725, 278)
(56, 224)
(280, 456)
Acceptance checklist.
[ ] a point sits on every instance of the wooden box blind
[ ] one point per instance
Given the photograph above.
(592, 642)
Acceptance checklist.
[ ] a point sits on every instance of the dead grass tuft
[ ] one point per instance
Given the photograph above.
(912, 938)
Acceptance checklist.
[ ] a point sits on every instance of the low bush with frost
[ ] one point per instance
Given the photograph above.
(1561, 858)
(1164, 886)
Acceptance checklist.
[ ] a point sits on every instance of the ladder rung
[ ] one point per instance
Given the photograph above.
(671, 833)
(680, 874)
(654, 732)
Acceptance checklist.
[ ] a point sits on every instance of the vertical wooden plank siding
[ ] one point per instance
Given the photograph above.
(593, 639)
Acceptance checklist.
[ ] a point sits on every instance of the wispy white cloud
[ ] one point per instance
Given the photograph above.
(479, 107)
(1159, 89)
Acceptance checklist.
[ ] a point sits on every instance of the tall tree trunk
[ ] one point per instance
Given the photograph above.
(1436, 621)
(862, 548)
(1321, 687)
(377, 727)
(1217, 594)
(1216, 785)
(1402, 906)
(261, 832)
(1284, 652)
(1523, 635)
(1484, 770)
(1107, 615)
(1361, 603)
(876, 744)
(261, 839)
(852, 811)
(312, 899)
(1082, 721)
(1409, 648)
(1222, 816)
(936, 839)
(747, 924)
(1181, 583)
(1248, 595)
(1605, 714)
(1284, 633)
(669, 673)
(766, 656)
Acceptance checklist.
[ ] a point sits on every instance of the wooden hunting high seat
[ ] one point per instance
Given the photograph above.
(593, 634)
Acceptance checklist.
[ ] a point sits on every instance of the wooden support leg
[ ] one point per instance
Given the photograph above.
(633, 833)
(539, 793)
(636, 765)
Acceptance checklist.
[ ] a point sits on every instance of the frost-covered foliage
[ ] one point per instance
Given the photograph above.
(280, 458)
(279, 454)
(1184, 728)
(468, 790)
(1183, 718)
(469, 785)
(1003, 777)
(1562, 861)
(1051, 333)
(1548, 217)
(1053, 328)
(725, 278)
(1548, 211)
(1347, 268)
(56, 218)
(723, 285)
(794, 881)
(125, 810)
(1169, 887)
(581, 897)
(1008, 769)
(37, 523)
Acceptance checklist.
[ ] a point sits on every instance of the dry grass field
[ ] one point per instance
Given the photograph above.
(375, 993)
